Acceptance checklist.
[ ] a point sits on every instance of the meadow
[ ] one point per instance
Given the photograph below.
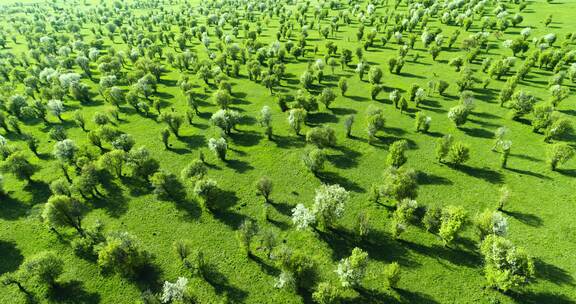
(538, 211)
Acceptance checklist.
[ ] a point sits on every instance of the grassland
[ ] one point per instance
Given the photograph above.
(540, 211)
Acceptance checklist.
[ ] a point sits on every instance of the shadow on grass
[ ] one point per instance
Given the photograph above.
(404, 296)
(289, 142)
(12, 209)
(245, 138)
(39, 190)
(222, 286)
(486, 174)
(526, 172)
(553, 273)
(346, 160)
(425, 178)
(477, 132)
(239, 166)
(11, 257)
(525, 218)
(529, 297)
(456, 255)
(334, 178)
(73, 292)
(192, 141)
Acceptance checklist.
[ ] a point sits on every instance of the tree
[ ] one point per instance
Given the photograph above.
(207, 189)
(63, 211)
(422, 122)
(458, 114)
(245, 233)
(559, 153)
(392, 274)
(322, 136)
(451, 222)
(296, 118)
(343, 85)
(306, 80)
(174, 292)
(375, 75)
(174, 121)
(194, 170)
(265, 120)
(505, 265)
(558, 127)
(329, 204)
(491, 222)
(44, 268)
(165, 135)
(351, 270)
(459, 153)
(222, 98)
(326, 293)
(166, 185)
(17, 163)
(348, 125)
(396, 157)
(375, 122)
(219, 147)
(65, 151)
(264, 187)
(399, 184)
(327, 97)
(56, 107)
(314, 160)
(121, 253)
(225, 120)
(113, 162)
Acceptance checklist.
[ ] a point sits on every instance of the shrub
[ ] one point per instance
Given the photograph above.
(422, 122)
(329, 204)
(44, 268)
(166, 185)
(296, 118)
(264, 187)
(432, 219)
(225, 120)
(208, 190)
(194, 170)
(326, 293)
(458, 114)
(491, 222)
(351, 270)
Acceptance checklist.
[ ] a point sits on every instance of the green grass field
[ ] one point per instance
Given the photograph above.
(540, 211)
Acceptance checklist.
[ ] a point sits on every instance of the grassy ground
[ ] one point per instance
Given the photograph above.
(540, 211)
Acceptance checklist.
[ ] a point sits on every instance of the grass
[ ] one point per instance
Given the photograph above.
(539, 212)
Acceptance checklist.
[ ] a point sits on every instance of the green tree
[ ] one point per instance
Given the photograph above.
(63, 211)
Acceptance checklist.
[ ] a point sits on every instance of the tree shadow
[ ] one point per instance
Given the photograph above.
(239, 166)
(525, 218)
(319, 118)
(526, 172)
(222, 286)
(456, 255)
(357, 98)
(567, 172)
(478, 132)
(553, 273)
(193, 211)
(39, 190)
(289, 142)
(266, 268)
(149, 277)
(486, 174)
(113, 199)
(73, 292)
(283, 208)
(193, 141)
(11, 257)
(334, 178)
(343, 111)
(529, 297)
(346, 160)
(425, 178)
(526, 157)
(12, 209)
(246, 138)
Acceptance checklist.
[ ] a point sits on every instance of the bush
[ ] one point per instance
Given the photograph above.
(422, 122)
(351, 270)
(321, 136)
(166, 185)
(329, 204)
(194, 170)
(225, 120)
(264, 187)
(44, 268)
(208, 190)
(491, 222)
